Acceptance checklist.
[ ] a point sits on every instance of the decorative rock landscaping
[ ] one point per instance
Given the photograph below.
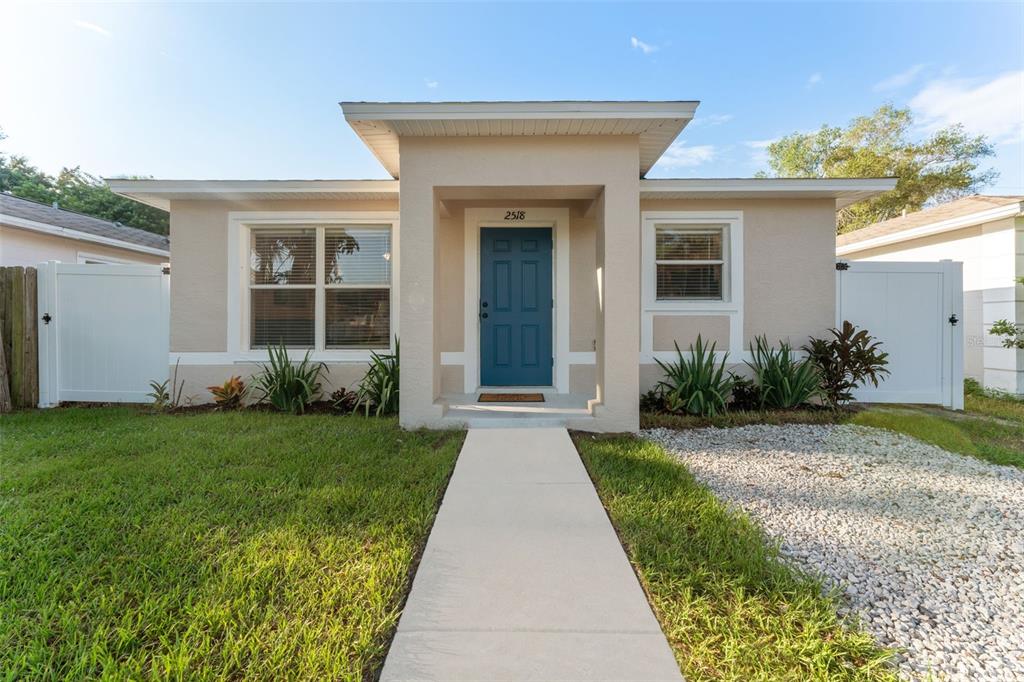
(927, 546)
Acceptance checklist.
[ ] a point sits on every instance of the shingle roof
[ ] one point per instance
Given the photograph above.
(954, 209)
(58, 217)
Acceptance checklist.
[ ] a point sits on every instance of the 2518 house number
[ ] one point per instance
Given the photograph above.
(515, 215)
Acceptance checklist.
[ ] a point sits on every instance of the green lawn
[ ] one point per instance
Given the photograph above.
(990, 428)
(730, 609)
(218, 545)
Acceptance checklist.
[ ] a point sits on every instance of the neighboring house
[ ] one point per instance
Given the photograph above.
(523, 247)
(31, 233)
(986, 233)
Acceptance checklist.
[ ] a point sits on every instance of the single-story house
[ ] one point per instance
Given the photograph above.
(986, 233)
(31, 233)
(518, 244)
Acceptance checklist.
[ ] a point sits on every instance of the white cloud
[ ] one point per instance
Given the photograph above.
(430, 83)
(95, 28)
(993, 108)
(899, 80)
(813, 79)
(712, 120)
(759, 155)
(680, 156)
(638, 44)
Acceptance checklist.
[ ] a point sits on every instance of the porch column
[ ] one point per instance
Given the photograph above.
(419, 359)
(618, 343)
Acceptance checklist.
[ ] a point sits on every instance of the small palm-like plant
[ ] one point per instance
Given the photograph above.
(288, 386)
(784, 380)
(695, 384)
(229, 395)
(851, 358)
(378, 391)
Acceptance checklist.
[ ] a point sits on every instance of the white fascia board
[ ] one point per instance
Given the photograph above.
(755, 185)
(57, 231)
(171, 187)
(159, 193)
(385, 111)
(988, 215)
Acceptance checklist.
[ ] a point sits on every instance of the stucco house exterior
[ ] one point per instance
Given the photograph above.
(31, 233)
(518, 245)
(986, 233)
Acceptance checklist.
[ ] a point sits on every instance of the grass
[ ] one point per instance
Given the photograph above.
(730, 608)
(220, 545)
(655, 420)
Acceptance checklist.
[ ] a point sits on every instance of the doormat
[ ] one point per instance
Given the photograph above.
(511, 397)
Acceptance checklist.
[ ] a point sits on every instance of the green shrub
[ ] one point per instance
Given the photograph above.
(695, 384)
(746, 395)
(166, 394)
(1012, 334)
(288, 386)
(848, 360)
(378, 391)
(784, 381)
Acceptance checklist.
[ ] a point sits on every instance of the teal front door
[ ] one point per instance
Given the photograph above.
(515, 306)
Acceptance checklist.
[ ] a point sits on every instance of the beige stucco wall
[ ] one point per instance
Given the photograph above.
(789, 264)
(29, 248)
(430, 164)
(670, 330)
(199, 295)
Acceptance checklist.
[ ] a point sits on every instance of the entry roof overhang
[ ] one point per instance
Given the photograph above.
(160, 193)
(381, 124)
(845, 191)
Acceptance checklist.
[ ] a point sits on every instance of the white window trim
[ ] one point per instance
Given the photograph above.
(239, 224)
(732, 285)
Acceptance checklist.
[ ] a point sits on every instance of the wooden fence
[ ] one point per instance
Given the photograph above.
(19, 347)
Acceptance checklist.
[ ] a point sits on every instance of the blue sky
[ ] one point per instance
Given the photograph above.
(251, 91)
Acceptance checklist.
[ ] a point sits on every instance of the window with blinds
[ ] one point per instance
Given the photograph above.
(689, 262)
(321, 287)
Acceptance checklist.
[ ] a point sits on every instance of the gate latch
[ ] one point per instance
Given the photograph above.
(46, 318)
(842, 265)
(953, 319)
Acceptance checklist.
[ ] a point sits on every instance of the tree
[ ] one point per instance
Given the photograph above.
(75, 190)
(941, 167)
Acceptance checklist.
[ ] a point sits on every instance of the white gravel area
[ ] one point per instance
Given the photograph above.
(927, 545)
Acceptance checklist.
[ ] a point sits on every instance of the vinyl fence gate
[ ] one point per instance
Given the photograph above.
(103, 332)
(915, 310)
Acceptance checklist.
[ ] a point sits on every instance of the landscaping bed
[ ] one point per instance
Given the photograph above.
(209, 545)
(730, 607)
(927, 545)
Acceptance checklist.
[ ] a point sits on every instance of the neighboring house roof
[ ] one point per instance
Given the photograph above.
(380, 124)
(954, 215)
(31, 215)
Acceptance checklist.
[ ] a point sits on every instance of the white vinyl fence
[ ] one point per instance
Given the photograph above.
(915, 310)
(103, 332)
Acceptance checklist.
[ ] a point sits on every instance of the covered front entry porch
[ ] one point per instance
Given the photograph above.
(519, 305)
(518, 301)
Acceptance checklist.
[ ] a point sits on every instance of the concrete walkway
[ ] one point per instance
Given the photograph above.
(523, 577)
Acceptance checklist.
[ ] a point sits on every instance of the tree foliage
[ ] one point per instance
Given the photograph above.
(941, 167)
(75, 190)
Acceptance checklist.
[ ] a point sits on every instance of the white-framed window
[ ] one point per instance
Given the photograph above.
(692, 260)
(689, 261)
(325, 287)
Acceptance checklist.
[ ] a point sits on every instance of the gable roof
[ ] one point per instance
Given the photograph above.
(381, 124)
(954, 215)
(32, 215)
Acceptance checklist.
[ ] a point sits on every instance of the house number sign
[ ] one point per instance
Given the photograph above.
(515, 215)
